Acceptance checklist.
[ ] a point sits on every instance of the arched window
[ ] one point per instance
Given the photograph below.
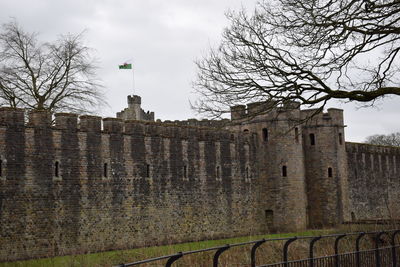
(340, 139)
(265, 134)
(312, 139)
(246, 130)
(284, 171)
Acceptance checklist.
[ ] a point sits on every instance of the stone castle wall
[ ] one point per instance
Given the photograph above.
(89, 184)
(73, 188)
(374, 181)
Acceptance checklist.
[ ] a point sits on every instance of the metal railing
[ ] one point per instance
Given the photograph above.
(381, 255)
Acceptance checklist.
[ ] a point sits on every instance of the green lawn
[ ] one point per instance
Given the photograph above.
(123, 256)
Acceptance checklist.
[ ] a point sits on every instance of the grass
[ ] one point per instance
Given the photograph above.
(240, 255)
(110, 258)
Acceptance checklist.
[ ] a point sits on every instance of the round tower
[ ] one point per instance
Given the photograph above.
(326, 171)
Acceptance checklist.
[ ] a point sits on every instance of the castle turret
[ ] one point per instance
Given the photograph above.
(280, 163)
(11, 116)
(134, 110)
(326, 173)
(134, 103)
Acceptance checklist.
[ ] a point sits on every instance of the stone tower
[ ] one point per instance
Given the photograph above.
(326, 172)
(134, 110)
(280, 162)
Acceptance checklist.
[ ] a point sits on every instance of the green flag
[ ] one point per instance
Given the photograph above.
(125, 66)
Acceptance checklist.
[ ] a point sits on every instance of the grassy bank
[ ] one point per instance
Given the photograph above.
(234, 257)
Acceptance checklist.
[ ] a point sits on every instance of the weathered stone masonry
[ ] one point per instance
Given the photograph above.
(72, 188)
(89, 184)
(374, 184)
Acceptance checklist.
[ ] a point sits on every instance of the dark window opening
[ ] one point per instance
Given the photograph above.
(246, 130)
(296, 134)
(329, 172)
(1, 168)
(340, 139)
(269, 219)
(284, 171)
(232, 137)
(353, 217)
(56, 169)
(147, 170)
(265, 134)
(217, 174)
(312, 139)
(247, 173)
(184, 171)
(105, 170)
(269, 214)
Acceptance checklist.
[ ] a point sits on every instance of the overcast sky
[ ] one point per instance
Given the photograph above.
(162, 38)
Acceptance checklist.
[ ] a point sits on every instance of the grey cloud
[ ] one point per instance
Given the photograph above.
(163, 38)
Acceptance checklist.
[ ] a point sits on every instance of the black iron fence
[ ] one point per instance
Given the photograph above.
(362, 249)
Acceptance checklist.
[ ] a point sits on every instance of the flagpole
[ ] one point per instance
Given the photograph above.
(129, 66)
(133, 78)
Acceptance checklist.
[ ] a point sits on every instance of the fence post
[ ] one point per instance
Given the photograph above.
(218, 253)
(337, 261)
(311, 255)
(173, 258)
(285, 249)
(358, 248)
(377, 254)
(394, 256)
(253, 252)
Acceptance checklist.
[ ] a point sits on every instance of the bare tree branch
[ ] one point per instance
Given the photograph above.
(310, 51)
(58, 76)
(392, 139)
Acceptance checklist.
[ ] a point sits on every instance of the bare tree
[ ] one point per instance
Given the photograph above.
(392, 139)
(58, 76)
(310, 51)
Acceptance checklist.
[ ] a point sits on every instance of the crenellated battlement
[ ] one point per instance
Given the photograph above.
(201, 123)
(314, 117)
(74, 122)
(88, 123)
(134, 99)
(66, 121)
(262, 108)
(287, 110)
(12, 116)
